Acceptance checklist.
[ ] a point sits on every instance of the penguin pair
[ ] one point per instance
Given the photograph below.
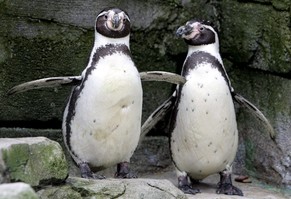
(102, 120)
(203, 128)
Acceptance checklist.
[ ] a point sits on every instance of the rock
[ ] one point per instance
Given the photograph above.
(262, 157)
(126, 188)
(36, 161)
(251, 36)
(60, 192)
(17, 190)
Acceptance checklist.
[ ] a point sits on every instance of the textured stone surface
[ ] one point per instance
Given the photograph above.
(17, 190)
(127, 188)
(36, 161)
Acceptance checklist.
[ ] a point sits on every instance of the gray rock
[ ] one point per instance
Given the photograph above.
(17, 190)
(262, 157)
(113, 188)
(35, 160)
(126, 188)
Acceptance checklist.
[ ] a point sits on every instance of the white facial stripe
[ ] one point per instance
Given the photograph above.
(102, 13)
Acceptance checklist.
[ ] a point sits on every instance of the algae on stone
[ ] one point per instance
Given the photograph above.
(35, 160)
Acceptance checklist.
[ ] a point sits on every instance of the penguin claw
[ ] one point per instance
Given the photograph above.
(228, 189)
(189, 189)
(125, 175)
(99, 177)
(123, 171)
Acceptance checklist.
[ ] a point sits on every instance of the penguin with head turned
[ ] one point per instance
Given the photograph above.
(204, 135)
(102, 119)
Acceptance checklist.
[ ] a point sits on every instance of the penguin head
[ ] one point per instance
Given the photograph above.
(196, 33)
(113, 23)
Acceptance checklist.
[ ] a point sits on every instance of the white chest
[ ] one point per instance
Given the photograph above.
(204, 140)
(106, 125)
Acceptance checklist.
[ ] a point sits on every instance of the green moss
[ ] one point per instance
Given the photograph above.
(51, 160)
(16, 159)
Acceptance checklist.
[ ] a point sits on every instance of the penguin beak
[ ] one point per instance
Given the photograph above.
(115, 21)
(189, 31)
(183, 31)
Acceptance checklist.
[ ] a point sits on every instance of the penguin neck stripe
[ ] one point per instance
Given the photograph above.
(199, 57)
(100, 52)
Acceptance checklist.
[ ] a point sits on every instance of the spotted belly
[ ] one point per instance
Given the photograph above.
(204, 139)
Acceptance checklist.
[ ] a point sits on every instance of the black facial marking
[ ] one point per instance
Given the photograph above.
(102, 28)
(206, 36)
(101, 52)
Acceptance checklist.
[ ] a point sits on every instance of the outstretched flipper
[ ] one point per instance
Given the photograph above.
(45, 83)
(74, 80)
(162, 76)
(156, 116)
(256, 112)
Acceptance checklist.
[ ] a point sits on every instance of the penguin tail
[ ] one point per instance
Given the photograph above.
(256, 112)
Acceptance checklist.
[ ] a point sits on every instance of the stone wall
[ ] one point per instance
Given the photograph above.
(41, 38)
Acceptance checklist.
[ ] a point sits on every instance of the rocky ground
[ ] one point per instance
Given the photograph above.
(42, 165)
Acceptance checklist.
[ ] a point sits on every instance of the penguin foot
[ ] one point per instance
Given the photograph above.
(185, 186)
(188, 189)
(123, 171)
(228, 189)
(225, 185)
(87, 173)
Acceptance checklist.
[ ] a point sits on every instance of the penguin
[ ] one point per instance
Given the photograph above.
(204, 135)
(202, 125)
(102, 119)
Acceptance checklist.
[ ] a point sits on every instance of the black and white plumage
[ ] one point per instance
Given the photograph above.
(204, 136)
(101, 122)
(203, 126)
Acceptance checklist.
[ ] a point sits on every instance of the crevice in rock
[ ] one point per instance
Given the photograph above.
(121, 194)
(153, 186)
(242, 66)
(31, 19)
(35, 124)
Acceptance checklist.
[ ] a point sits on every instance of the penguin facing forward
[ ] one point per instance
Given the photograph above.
(204, 135)
(102, 119)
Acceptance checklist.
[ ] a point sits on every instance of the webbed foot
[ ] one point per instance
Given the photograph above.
(123, 171)
(87, 173)
(225, 185)
(185, 186)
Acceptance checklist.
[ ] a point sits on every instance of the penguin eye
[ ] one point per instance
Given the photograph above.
(106, 16)
(201, 28)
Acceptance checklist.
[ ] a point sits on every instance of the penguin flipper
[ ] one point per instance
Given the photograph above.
(156, 116)
(45, 83)
(162, 76)
(256, 112)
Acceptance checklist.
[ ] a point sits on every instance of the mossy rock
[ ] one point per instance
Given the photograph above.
(35, 160)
